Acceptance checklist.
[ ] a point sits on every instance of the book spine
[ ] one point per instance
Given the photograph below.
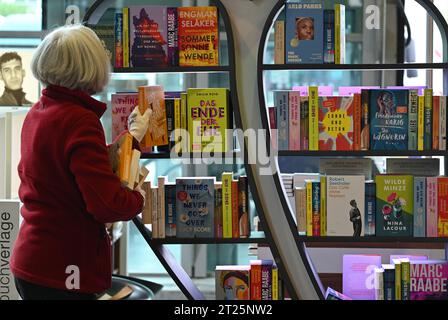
(275, 283)
(183, 123)
(389, 284)
(118, 40)
(125, 37)
(147, 209)
(419, 206)
(405, 280)
(435, 122)
(300, 200)
(427, 144)
(379, 284)
(227, 204)
(313, 119)
(421, 123)
(281, 103)
(170, 210)
(266, 281)
(357, 119)
(173, 37)
(323, 206)
(177, 126)
(365, 131)
(161, 181)
(304, 123)
(125, 159)
(243, 207)
(397, 281)
(339, 17)
(370, 209)
(442, 130)
(329, 36)
(155, 224)
(170, 115)
(235, 210)
(279, 42)
(442, 205)
(309, 208)
(413, 120)
(294, 120)
(431, 207)
(316, 208)
(255, 281)
(273, 126)
(218, 210)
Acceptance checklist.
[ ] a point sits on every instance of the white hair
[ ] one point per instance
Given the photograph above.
(72, 57)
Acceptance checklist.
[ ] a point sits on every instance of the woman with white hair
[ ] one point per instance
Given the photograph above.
(68, 188)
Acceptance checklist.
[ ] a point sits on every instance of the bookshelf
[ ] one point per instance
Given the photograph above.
(159, 246)
(303, 242)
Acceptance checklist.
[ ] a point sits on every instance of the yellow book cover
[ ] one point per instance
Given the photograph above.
(274, 283)
(125, 37)
(208, 119)
(313, 119)
(421, 123)
(309, 208)
(339, 34)
(227, 204)
(198, 36)
(323, 205)
(153, 97)
(397, 264)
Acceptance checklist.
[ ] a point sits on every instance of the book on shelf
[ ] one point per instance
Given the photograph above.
(232, 282)
(358, 277)
(122, 106)
(429, 280)
(370, 208)
(172, 36)
(118, 40)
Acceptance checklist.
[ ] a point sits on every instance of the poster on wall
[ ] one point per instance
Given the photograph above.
(9, 227)
(18, 87)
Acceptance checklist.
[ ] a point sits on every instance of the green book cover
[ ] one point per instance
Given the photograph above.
(394, 205)
(405, 279)
(208, 119)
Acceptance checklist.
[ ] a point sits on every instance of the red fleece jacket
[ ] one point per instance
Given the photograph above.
(69, 192)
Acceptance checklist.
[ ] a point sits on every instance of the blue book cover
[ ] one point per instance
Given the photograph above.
(419, 207)
(329, 40)
(195, 206)
(170, 210)
(388, 111)
(370, 209)
(304, 36)
(281, 102)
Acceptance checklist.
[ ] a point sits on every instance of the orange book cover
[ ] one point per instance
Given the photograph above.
(435, 122)
(357, 115)
(235, 210)
(125, 156)
(153, 97)
(198, 36)
(255, 280)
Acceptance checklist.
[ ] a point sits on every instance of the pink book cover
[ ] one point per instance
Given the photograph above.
(321, 90)
(273, 126)
(336, 130)
(429, 280)
(122, 106)
(431, 207)
(294, 120)
(349, 91)
(358, 278)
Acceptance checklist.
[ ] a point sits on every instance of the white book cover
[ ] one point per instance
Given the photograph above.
(345, 205)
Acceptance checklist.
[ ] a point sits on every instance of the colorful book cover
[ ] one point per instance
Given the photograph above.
(304, 37)
(421, 124)
(218, 210)
(172, 37)
(370, 209)
(122, 106)
(389, 119)
(345, 205)
(389, 281)
(429, 280)
(365, 122)
(198, 36)
(419, 207)
(329, 36)
(153, 97)
(294, 121)
(170, 122)
(309, 207)
(332, 294)
(170, 210)
(357, 119)
(255, 279)
(243, 207)
(227, 204)
(232, 283)
(428, 119)
(431, 207)
(413, 120)
(118, 61)
(148, 36)
(336, 123)
(235, 210)
(304, 123)
(394, 205)
(315, 204)
(442, 206)
(323, 206)
(314, 102)
(209, 118)
(358, 278)
(195, 203)
(266, 279)
(282, 106)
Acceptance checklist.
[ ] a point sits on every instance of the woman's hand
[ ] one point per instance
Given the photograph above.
(138, 123)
